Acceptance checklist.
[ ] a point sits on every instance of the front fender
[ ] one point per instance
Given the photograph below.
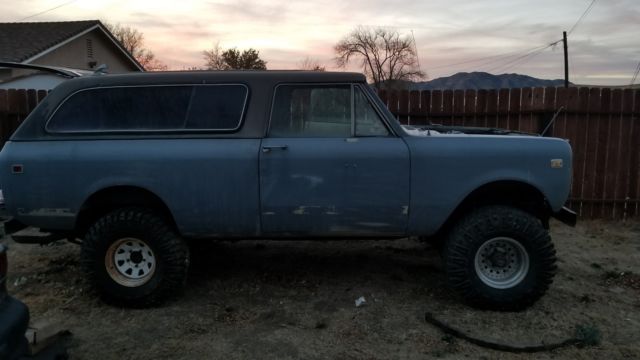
(446, 169)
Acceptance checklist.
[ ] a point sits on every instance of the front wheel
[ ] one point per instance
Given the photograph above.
(133, 258)
(500, 257)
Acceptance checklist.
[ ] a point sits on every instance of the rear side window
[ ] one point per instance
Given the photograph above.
(152, 108)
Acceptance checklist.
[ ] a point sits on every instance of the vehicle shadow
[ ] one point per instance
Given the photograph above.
(314, 265)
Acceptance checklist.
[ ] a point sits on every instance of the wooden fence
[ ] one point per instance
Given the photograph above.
(15, 105)
(602, 124)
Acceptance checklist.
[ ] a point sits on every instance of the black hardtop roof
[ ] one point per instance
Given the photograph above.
(204, 77)
(261, 85)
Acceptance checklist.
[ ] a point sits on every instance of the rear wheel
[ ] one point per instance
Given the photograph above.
(134, 258)
(499, 257)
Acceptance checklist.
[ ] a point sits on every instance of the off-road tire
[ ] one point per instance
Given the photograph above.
(171, 261)
(481, 226)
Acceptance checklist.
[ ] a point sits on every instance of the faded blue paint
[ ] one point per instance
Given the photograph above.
(314, 187)
(210, 186)
(334, 186)
(446, 169)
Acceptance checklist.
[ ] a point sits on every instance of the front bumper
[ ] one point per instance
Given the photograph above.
(567, 216)
(14, 319)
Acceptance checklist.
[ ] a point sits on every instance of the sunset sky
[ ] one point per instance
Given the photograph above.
(604, 48)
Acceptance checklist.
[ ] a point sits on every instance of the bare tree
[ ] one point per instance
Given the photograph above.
(310, 64)
(385, 55)
(133, 41)
(213, 58)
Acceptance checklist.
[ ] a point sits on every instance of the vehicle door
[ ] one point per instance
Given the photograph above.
(331, 166)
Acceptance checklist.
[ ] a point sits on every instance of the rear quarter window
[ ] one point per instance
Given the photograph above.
(152, 108)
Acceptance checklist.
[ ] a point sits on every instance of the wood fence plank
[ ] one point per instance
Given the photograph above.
(403, 106)
(537, 103)
(436, 106)
(4, 102)
(13, 107)
(384, 97)
(621, 210)
(4, 109)
(558, 127)
(613, 154)
(470, 107)
(458, 107)
(22, 103)
(634, 177)
(393, 101)
(503, 108)
(579, 125)
(570, 133)
(492, 108)
(415, 116)
(601, 158)
(537, 109)
(549, 99)
(16, 111)
(447, 107)
(32, 100)
(591, 152)
(481, 108)
(42, 94)
(526, 104)
(514, 109)
(548, 108)
(425, 105)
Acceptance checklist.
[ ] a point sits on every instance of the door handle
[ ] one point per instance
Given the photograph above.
(266, 149)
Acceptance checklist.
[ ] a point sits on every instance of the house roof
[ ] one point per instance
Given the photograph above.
(22, 42)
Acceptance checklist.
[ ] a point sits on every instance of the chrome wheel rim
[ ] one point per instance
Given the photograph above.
(130, 262)
(501, 263)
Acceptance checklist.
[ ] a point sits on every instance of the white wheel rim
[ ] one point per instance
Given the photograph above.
(130, 262)
(501, 263)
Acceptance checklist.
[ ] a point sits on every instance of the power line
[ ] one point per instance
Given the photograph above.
(584, 14)
(525, 60)
(496, 57)
(520, 58)
(635, 74)
(516, 59)
(46, 11)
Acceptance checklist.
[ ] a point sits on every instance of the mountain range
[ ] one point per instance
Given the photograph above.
(483, 80)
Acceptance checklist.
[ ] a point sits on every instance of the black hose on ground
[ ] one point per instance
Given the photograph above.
(503, 347)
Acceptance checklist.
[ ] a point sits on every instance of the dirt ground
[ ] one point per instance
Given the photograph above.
(295, 300)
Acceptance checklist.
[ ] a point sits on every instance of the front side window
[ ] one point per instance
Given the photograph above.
(311, 111)
(152, 108)
(323, 111)
(368, 123)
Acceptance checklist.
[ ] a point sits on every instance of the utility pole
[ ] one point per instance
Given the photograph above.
(566, 60)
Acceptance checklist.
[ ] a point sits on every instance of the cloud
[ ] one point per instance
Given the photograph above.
(446, 31)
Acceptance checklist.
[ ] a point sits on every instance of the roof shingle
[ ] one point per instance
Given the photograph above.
(20, 41)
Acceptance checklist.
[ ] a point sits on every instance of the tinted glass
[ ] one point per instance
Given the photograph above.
(311, 111)
(368, 123)
(151, 108)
